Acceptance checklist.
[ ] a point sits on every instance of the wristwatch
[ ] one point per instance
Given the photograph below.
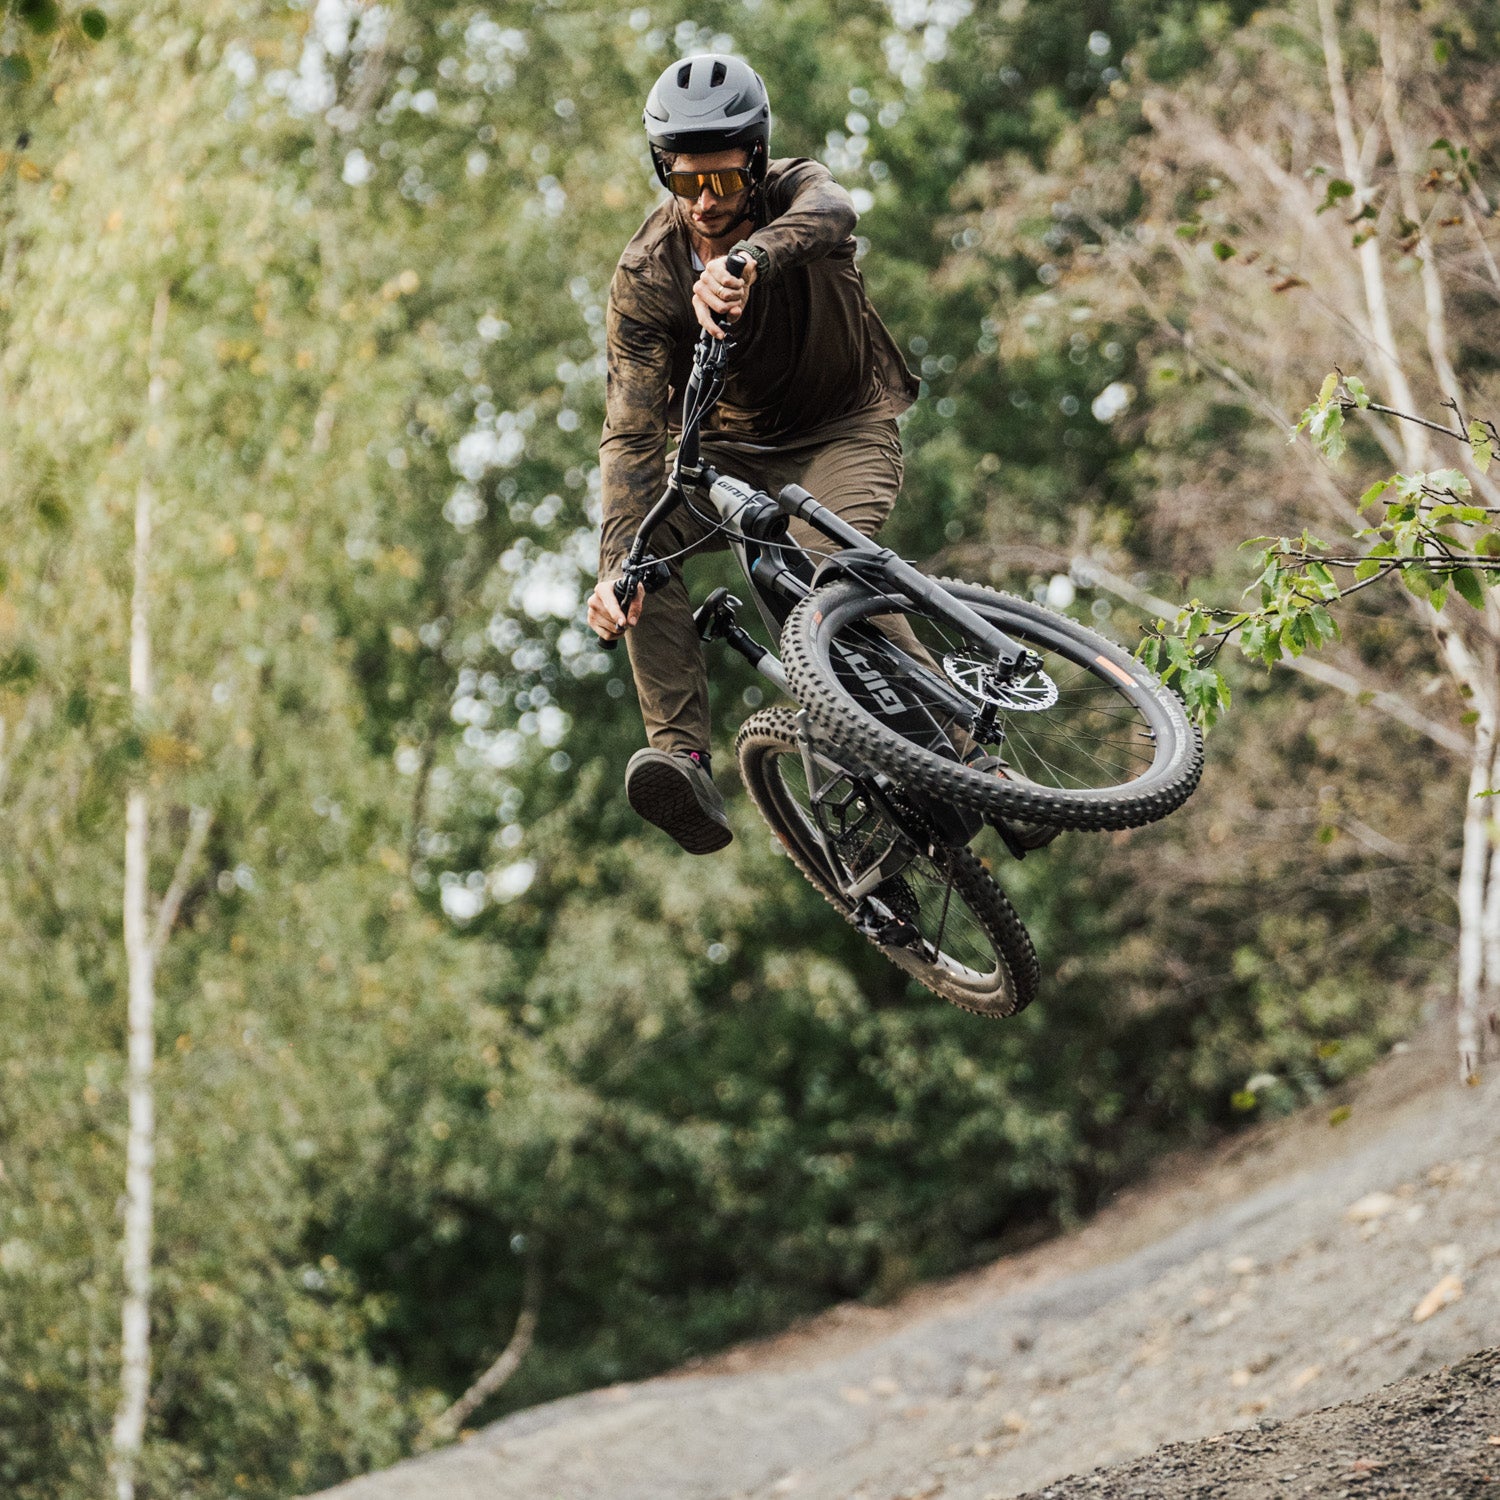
(757, 253)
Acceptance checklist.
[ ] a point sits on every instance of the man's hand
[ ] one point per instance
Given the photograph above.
(606, 619)
(717, 291)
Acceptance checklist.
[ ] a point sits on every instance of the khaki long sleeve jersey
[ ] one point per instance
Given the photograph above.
(810, 351)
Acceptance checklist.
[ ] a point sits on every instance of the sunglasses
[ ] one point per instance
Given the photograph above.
(724, 183)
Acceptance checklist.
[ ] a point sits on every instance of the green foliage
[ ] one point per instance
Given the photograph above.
(1429, 535)
(435, 1005)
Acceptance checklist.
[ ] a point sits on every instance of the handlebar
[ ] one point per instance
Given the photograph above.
(709, 358)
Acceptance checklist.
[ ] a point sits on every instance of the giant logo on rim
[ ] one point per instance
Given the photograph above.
(882, 692)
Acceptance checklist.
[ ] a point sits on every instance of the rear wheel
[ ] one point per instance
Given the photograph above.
(1087, 736)
(935, 911)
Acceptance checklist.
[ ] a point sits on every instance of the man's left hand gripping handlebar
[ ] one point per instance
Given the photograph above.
(613, 608)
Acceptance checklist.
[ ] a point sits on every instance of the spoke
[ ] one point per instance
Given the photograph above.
(937, 942)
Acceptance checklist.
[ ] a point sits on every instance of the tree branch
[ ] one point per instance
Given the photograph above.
(450, 1422)
(200, 820)
(1090, 574)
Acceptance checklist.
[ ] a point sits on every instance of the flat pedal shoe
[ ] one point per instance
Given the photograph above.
(678, 795)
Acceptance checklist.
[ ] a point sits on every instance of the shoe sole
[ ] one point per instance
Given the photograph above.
(665, 797)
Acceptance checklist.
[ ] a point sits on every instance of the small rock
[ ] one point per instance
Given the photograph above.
(1372, 1206)
(1446, 1292)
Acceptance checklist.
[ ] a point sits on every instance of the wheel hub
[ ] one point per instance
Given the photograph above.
(1026, 691)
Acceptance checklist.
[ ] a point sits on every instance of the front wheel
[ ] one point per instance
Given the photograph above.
(1085, 737)
(958, 934)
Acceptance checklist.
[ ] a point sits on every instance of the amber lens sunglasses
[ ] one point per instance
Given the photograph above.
(724, 183)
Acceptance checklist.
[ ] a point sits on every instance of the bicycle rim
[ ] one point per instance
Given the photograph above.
(1088, 739)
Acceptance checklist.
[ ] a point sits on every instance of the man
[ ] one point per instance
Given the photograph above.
(813, 391)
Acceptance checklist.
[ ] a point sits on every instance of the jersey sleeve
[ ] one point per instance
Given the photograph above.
(632, 450)
(809, 216)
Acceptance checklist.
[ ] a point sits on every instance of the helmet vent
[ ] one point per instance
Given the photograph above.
(718, 75)
(683, 74)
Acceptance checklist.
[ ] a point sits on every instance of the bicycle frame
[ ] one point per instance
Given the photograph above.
(780, 574)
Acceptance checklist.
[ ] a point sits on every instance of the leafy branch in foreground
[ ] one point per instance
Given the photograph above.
(1429, 533)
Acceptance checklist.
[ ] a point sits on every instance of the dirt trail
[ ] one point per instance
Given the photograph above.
(1236, 1290)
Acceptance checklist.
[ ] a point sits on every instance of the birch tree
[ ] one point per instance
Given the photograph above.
(1338, 214)
(144, 940)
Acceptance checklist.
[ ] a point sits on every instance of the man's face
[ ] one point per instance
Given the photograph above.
(711, 215)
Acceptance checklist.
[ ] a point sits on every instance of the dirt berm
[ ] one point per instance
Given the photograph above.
(1308, 1263)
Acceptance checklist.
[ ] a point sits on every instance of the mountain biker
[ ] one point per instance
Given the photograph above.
(814, 388)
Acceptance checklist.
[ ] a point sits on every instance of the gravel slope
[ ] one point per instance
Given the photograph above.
(1271, 1278)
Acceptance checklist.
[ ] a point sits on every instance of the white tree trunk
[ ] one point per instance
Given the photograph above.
(1472, 903)
(1491, 985)
(140, 956)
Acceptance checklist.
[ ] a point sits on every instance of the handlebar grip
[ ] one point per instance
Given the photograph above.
(735, 265)
(624, 593)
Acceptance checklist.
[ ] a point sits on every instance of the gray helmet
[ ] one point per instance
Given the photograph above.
(708, 103)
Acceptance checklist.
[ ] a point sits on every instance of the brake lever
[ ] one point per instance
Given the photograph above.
(650, 574)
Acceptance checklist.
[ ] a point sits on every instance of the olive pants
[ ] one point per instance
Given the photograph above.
(856, 474)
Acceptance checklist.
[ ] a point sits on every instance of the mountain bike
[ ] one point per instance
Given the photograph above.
(924, 710)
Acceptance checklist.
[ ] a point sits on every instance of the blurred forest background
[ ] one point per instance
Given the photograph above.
(318, 290)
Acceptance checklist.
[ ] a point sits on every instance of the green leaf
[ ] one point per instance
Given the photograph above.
(1329, 386)
(19, 667)
(1466, 581)
(1374, 493)
(1242, 1100)
(1481, 446)
(1325, 627)
(1449, 480)
(93, 24)
(1367, 568)
(1149, 652)
(1338, 189)
(1327, 429)
(1356, 388)
(1319, 575)
(41, 16)
(1223, 250)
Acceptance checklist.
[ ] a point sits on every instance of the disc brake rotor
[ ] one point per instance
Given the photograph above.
(978, 678)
